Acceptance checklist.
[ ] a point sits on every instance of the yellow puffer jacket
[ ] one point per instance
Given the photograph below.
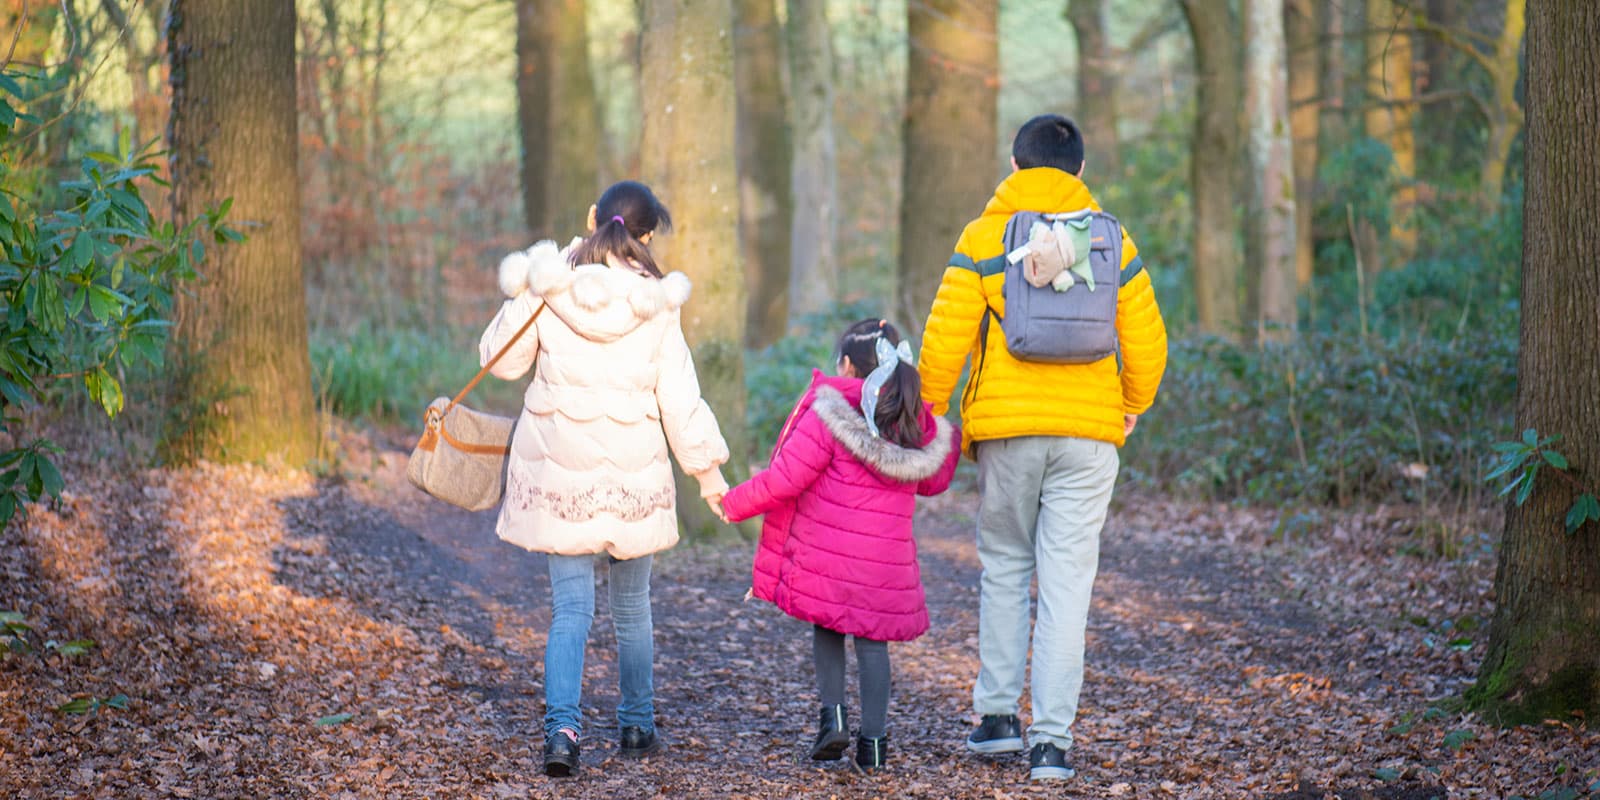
(1007, 397)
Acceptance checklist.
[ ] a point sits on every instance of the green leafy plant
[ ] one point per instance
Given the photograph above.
(14, 630)
(1518, 465)
(89, 281)
(90, 705)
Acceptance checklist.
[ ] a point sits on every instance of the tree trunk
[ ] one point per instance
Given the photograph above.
(1544, 651)
(952, 93)
(574, 137)
(1300, 28)
(1215, 157)
(1390, 108)
(765, 200)
(1270, 230)
(1097, 88)
(533, 110)
(689, 119)
(243, 364)
(814, 277)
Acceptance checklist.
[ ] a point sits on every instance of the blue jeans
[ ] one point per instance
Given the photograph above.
(572, 609)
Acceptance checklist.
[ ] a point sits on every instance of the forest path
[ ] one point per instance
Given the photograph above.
(244, 612)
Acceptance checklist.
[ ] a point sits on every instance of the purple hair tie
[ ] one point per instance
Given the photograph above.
(619, 218)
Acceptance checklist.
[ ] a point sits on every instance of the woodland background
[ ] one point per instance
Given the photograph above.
(254, 233)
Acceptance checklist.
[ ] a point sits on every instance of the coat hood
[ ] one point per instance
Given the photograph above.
(600, 302)
(843, 419)
(1037, 189)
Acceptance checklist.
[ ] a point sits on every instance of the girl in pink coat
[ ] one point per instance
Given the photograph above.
(836, 547)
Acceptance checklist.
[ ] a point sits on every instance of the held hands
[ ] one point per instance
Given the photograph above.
(1129, 422)
(715, 502)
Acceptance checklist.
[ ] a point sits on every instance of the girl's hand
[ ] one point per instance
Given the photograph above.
(715, 502)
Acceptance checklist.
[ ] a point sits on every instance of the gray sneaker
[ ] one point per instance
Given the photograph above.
(1046, 762)
(998, 733)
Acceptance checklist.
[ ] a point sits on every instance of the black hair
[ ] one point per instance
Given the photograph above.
(899, 413)
(622, 216)
(1049, 140)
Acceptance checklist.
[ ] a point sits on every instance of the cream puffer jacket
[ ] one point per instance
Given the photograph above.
(588, 469)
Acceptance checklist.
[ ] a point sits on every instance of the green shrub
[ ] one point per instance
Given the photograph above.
(391, 374)
(1330, 419)
(88, 279)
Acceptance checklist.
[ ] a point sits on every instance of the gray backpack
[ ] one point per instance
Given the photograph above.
(1072, 318)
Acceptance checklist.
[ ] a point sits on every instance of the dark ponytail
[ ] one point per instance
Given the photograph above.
(623, 215)
(899, 413)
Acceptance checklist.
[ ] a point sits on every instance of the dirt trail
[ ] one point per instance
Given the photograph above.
(242, 609)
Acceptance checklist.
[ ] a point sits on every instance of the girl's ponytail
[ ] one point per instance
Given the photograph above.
(898, 414)
(624, 215)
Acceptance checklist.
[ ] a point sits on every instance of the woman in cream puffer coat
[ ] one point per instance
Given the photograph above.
(588, 473)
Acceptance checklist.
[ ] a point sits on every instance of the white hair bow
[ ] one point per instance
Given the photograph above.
(889, 357)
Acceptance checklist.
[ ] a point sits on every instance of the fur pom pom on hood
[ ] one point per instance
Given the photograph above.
(599, 301)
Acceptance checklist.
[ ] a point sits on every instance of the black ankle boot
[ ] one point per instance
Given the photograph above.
(872, 754)
(833, 736)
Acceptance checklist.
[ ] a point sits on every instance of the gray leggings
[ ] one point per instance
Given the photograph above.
(872, 660)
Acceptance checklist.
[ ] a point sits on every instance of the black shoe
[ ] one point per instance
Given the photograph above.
(560, 754)
(833, 735)
(638, 742)
(1046, 762)
(872, 754)
(998, 733)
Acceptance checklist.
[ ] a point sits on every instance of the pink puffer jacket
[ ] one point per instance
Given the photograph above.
(836, 547)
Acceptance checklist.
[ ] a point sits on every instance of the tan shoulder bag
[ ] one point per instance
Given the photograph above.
(461, 457)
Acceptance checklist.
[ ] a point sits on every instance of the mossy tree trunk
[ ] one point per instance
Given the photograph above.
(689, 157)
(1215, 159)
(243, 370)
(1096, 114)
(952, 95)
(765, 199)
(814, 261)
(1544, 643)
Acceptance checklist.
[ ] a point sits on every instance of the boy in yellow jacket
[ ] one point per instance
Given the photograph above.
(1045, 437)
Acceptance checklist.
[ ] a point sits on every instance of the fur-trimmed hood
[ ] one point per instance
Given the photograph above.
(888, 459)
(598, 301)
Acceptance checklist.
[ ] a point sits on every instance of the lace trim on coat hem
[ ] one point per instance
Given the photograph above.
(581, 505)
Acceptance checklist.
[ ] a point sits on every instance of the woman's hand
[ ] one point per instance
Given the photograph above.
(715, 502)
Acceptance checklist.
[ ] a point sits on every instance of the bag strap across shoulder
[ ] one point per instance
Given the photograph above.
(454, 401)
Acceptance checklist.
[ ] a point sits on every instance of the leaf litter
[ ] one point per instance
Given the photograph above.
(270, 634)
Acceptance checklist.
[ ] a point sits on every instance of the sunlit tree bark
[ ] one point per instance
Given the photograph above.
(689, 157)
(1305, 116)
(243, 369)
